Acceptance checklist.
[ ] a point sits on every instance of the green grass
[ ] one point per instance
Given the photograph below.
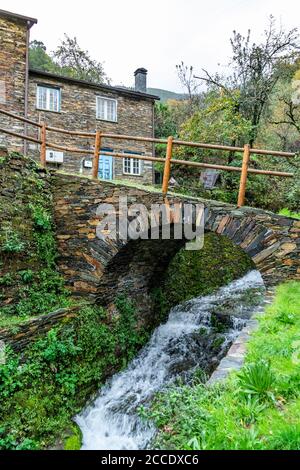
(257, 408)
(286, 212)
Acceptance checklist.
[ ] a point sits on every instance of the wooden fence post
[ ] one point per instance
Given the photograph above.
(167, 168)
(244, 175)
(96, 155)
(43, 145)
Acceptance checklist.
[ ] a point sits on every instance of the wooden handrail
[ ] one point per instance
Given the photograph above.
(170, 142)
(202, 145)
(244, 175)
(237, 169)
(167, 169)
(152, 139)
(69, 149)
(20, 118)
(76, 133)
(96, 155)
(43, 145)
(233, 149)
(21, 136)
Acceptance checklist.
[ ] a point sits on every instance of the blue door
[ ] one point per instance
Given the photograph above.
(106, 167)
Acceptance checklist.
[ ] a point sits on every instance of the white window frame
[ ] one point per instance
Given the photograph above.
(48, 107)
(131, 164)
(105, 117)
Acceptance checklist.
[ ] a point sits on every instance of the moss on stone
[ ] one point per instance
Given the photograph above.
(74, 441)
(194, 273)
(42, 388)
(29, 282)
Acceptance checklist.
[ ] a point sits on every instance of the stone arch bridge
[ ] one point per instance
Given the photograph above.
(96, 268)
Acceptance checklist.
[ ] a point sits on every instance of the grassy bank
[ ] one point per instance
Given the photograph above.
(257, 408)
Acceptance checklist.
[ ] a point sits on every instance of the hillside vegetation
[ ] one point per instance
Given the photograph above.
(166, 95)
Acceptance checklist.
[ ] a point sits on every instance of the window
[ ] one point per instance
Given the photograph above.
(106, 109)
(131, 166)
(48, 98)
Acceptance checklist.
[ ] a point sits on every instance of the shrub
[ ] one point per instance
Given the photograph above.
(26, 275)
(42, 219)
(13, 244)
(257, 379)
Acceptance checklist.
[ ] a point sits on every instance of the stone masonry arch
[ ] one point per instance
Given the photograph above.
(95, 268)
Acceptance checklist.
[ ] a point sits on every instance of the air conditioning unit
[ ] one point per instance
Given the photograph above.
(52, 156)
(87, 163)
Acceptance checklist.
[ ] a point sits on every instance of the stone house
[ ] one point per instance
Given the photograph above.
(72, 104)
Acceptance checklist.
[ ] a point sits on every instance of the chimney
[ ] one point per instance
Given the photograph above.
(141, 80)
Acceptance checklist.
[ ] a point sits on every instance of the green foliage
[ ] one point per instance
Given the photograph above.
(255, 409)
(73, 442)
(256, 102)
(7, 442)
(257, 379)
(164, 122)
(54, 350)
(39, 59)
(31, 278)
(287, 437)
(12, 243)
(219, 122)
(286, 212)
(42, 389)
(26, 275)
(6, 280)
(166, 95)
(41, 217)
(68, 60)
(44, 294)
(129, 338)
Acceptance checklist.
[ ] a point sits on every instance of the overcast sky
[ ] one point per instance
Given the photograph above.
(155, 34)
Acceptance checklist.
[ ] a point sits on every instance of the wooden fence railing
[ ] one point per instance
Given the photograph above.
(98, 137)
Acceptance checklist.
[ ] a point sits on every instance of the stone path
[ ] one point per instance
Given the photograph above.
(235, 357)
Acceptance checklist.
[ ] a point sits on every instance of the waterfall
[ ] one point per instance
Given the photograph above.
(197, 335)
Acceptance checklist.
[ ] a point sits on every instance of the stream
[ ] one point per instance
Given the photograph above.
(196, 336)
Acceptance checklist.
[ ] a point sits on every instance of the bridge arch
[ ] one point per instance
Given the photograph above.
(95, 268)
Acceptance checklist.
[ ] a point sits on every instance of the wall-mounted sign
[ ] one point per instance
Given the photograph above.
(87, 163)
(209, 178)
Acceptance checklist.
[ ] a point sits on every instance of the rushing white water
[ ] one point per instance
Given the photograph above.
(176, 349)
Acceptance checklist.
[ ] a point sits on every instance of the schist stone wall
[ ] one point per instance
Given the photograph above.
(96, 268)
(78, 112)
(13, 53)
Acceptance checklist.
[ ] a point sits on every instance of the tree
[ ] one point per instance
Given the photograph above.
(216, 122)
(164, 122)
(190, 84)
(68, 59)
(38, 57)
(77, 63)
(289, 98)
(256, 70)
